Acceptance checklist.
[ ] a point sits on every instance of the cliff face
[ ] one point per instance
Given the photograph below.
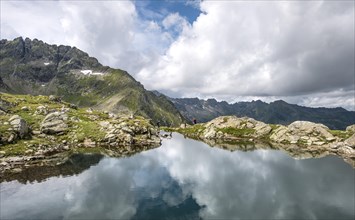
(34, 67)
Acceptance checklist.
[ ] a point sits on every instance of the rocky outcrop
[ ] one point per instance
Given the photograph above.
(304, 132)
(216, 127)
(62, 128)
(19, 125)
(301, 139)
(129, 132)
(54, 123)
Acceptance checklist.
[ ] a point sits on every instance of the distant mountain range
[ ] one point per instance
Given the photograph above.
(278, 112)
(34, 67)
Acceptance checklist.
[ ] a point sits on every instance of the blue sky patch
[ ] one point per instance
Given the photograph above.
(158, 9)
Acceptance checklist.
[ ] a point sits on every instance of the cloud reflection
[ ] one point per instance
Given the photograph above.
(186, 179)
(260, 184)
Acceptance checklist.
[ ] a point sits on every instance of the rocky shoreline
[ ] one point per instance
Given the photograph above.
(300, 139)
(41, 130)
(45, 131)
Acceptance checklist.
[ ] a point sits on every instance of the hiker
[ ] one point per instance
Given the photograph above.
(158, 124)
(194, 121)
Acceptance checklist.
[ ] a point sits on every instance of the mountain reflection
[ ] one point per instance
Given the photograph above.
(185, 179)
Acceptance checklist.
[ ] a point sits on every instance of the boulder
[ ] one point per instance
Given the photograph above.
(54, 98)
(350, 128)
(262, 129)
(19, 125)
(25, 108)
(41, 110)
(346, 151)
(54, 123)
(350, 141)
(311, 132)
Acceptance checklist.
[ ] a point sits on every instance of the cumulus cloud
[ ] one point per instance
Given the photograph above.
(111, 31)
(292, 50)
(282, 49)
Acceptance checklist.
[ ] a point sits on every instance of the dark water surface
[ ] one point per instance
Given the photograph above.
(185, 179)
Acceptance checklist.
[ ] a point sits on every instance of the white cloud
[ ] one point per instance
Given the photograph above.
(233, 49)
(109, 30)
(261, 49)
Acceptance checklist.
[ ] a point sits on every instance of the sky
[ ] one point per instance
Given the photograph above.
(298, 51)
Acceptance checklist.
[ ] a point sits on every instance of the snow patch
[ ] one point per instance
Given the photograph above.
(46, 64)
(43, 85)
(89, 72)
(86, 72)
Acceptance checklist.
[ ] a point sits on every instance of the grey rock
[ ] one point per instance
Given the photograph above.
(19, 125)
(304, 130)
(25, 108)
(350, 128)
(54, 123)
(210, 132)
(54, 98)
(351, 141)
(41, 110)
(262, 129)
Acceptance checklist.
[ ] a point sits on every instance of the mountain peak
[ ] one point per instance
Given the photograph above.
(35, 67)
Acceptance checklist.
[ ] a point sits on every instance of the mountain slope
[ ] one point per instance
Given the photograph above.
(278, 112)
(34, 67)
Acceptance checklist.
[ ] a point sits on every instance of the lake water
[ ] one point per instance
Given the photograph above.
(184, 179)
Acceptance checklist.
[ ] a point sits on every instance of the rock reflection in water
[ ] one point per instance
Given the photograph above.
(186, 179)
(295, 151)
(73, 165)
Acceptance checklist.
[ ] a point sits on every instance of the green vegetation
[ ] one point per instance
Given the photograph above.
(245, 132)
(274, 126)
(194, 130)
(93, 150)
(88, 129)
(340, 134)
(16, 149)
(83, 123)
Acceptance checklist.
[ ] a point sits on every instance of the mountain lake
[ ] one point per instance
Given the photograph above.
(184, 179)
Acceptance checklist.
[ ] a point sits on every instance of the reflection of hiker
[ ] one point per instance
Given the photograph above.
(194, 121)
(158, 124)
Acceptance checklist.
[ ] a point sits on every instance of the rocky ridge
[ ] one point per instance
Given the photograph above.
(277, 112)
(37, 68)
(37, 128)
(300, 139)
